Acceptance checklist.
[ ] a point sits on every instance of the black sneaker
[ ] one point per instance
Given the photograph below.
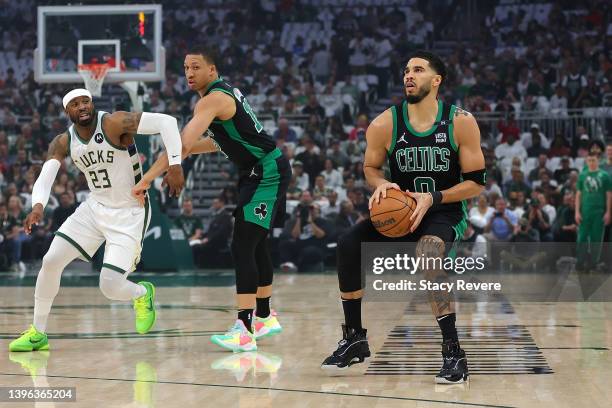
(455, 368)
(352, 349)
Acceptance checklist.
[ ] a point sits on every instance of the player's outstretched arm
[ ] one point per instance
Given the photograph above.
(150, 123)
(378, 136)
(58, 150)
(216, 104)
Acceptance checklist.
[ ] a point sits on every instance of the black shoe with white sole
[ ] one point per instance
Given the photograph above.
(352, 349)
(455, 368)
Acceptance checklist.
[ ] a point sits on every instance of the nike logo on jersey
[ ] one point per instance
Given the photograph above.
(174, 155)
(403, 138)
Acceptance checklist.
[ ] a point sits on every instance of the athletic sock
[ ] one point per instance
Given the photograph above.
(447, 325)
(263, 307)
(246, 315)
(42, 308)
(352, 313)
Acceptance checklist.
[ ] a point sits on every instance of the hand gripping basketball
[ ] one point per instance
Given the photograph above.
(424, 201)
(391, 216)
(381, 191)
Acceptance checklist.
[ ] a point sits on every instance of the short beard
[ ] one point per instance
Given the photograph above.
(423, 92)
(78, 121)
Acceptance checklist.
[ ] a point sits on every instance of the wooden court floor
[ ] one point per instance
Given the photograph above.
(520, 355)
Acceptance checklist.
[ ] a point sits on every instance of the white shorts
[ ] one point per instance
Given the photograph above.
(123, 230)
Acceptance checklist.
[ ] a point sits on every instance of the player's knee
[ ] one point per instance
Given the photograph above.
(52, 261)
(430, 246)
(111, 283)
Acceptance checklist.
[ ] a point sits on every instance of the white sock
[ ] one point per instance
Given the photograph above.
(42, 308)
(115, 286)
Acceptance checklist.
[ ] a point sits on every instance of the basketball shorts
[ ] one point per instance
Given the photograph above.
(449, 226)
(123, 230)
(262, 191)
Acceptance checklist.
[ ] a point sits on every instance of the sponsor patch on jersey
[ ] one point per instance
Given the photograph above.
(238, 94)
(440, 137)
(99, 138)
(261, 210)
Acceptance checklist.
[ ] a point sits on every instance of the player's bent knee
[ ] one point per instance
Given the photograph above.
(112, 285)
(430, 246)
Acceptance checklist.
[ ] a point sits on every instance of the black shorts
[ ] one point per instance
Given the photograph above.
(445, 225)
(449, 226)
(262, 191)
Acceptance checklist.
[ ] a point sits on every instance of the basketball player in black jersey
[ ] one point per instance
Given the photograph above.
(434, 154)
(224, 121)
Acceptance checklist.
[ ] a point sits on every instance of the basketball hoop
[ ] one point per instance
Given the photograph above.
(93, 75)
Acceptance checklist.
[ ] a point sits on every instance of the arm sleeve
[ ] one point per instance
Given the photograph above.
(44, 182)
(166, 126)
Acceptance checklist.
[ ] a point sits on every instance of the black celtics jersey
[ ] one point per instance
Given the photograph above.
(426, 161)
(242, 138)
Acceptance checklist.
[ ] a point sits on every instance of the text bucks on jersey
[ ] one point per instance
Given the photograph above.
(111, 171)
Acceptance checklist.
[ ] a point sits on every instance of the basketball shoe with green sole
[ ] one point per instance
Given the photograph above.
(145, 309)
(30, 340)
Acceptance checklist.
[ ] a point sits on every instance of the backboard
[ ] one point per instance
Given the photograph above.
(129, 38)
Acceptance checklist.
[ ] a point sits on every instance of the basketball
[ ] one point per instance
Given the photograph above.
(391, 216)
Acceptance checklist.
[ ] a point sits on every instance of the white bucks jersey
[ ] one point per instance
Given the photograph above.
(111, 170)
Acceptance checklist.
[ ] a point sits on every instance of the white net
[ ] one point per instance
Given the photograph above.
(93, 75)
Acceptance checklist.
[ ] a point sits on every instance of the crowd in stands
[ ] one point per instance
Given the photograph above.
(314, 76)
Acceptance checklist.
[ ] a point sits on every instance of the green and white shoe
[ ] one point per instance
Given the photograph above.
(30, 340)
(145, 309)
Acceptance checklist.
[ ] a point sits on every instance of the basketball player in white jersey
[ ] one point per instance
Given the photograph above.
(102, 146)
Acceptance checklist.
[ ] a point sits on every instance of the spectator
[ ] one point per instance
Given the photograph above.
(284, 132)
(293, 191)
(606, 165)
(189, 223)
(61, 213)
(517, 203)
(550, 211)
(320, 190)
(314, 108)
(528, 138)
(217, 237)
(16, 237)
(538, 220)
(517, 183)
(479, 214)
(359, 131)
(339, 157)
(333, 178)
(559, 147)
(576, 85)
(332, 209)
(510, 148)
(508, 128)
(564, 226)
(347, 217)
(304, 238)
(501, 223)
(536, 149)
(562, 173)
(558, 102)
(302, 178)
(534, 174)
(311, 159)
(582, 148)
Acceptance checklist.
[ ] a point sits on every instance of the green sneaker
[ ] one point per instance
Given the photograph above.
(30, 340)
(145, 309)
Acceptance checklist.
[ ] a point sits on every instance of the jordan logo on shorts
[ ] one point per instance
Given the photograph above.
(253, 172)
(261, 211)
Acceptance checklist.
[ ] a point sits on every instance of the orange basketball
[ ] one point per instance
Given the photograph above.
(391, 217)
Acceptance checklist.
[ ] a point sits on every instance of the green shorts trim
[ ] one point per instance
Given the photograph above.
(74, 244)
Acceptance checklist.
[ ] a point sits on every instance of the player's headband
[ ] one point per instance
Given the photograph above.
(75, 93)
